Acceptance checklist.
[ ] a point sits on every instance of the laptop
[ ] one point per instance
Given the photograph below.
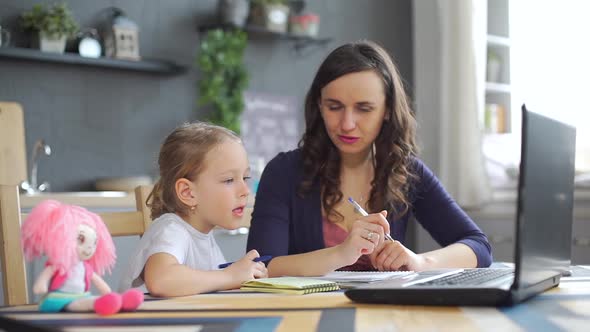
(543, 233)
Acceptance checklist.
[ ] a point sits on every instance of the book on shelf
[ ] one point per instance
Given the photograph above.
(495, 119)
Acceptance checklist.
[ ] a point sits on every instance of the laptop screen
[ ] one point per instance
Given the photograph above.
(545, 199)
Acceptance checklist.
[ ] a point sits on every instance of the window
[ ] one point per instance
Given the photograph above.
(547, 69)
(550, 65)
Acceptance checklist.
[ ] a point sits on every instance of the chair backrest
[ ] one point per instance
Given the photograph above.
(13, 170)
(12, 152)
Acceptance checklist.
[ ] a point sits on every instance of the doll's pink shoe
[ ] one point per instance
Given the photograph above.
(132, 299)
(108, 304)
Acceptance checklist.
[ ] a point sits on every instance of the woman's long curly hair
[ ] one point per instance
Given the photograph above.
(394, 147)
(182, 155)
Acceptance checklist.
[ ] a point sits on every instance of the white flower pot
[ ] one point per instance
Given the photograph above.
(52, 44)
(234, 11)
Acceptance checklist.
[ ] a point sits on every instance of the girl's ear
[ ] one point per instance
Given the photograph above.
(185, 192)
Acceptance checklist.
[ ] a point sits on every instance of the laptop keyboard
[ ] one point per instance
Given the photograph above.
(468, 277)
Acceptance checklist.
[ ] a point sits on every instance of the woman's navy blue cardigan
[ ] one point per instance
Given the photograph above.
(284, 223)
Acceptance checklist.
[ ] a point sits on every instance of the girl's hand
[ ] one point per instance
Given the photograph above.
(393, 256)
(246, 269)
(366, 234)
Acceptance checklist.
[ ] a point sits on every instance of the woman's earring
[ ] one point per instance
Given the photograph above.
(193, 208)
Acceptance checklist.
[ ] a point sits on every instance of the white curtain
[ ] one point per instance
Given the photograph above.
(463, 33)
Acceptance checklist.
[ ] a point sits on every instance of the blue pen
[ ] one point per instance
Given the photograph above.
(257, 259)
(364, 213)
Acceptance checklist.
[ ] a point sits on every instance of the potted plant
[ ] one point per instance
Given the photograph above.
(52, 25)
(223, 76)
(272, 15)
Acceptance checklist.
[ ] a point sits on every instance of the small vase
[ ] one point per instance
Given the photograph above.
(52, 44)
(494, 67)
(234, 12)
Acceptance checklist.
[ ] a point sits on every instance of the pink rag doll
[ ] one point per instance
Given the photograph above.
(79, 249)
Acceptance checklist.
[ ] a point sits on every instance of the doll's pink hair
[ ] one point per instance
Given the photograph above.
(51, 229)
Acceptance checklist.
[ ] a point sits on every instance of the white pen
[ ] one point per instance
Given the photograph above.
(364, 213)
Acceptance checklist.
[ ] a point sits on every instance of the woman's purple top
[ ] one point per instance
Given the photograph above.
(283, 223)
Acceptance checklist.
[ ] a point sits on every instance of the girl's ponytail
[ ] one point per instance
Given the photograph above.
(155, 202)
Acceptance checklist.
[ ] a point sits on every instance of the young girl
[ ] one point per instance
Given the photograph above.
(203, 173)
(79, 249)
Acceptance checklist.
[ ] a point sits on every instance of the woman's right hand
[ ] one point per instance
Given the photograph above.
(246, 269)
(365, 235)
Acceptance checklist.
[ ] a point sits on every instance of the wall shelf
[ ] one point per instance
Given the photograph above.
(150, 66)
(494, 40)
(256, 31)
(498, 87)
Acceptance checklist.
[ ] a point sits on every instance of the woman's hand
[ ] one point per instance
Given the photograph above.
(246, 269)
(365, 235)
(393, 256)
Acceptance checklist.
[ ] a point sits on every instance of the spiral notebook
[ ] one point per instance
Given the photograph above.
(289, 285)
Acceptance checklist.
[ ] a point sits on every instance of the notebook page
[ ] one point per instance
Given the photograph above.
(363, 276)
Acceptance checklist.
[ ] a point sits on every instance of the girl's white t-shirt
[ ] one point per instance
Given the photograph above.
(172, 235)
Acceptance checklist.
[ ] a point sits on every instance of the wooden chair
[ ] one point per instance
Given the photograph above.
(12, 172)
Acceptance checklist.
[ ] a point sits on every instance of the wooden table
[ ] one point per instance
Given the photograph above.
(565, 308)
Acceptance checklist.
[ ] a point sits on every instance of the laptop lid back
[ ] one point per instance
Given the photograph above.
(545, 199)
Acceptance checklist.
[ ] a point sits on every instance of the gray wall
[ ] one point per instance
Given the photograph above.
(103, 123)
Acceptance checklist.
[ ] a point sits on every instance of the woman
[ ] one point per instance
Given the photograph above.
(358, 143)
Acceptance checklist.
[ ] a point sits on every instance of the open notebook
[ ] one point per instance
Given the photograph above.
(289, 285)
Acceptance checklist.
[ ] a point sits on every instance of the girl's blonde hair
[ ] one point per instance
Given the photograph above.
(182, 155)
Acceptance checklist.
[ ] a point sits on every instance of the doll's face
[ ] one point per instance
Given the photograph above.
(86, 242)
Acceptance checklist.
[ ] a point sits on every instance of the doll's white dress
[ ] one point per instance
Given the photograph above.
(66, 288)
